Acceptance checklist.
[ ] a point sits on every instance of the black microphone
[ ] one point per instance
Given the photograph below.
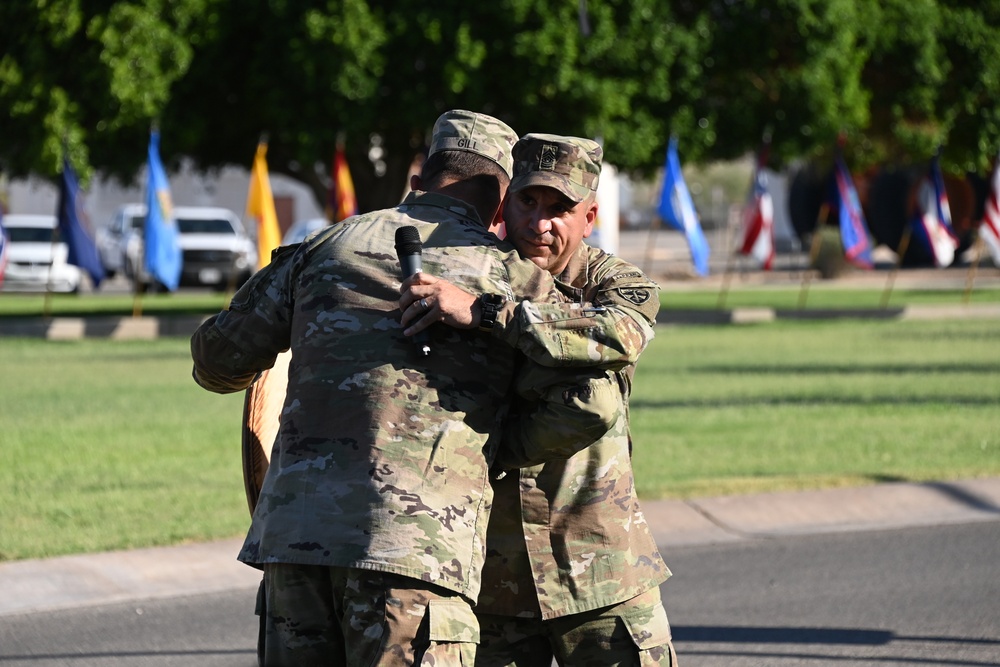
(408, 249)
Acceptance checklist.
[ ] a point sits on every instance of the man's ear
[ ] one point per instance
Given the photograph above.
(415, 182)
(496, 225)
(591, 218)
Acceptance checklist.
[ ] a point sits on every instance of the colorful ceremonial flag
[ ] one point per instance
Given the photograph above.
(162, 245)
(260, 206)
(341, 201)
(677, 209)
(853, 229)
(989, 228)
(4, 243)
(80, 245)
(932, 224)
(758, 218)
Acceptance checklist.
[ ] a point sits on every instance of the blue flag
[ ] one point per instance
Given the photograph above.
(853, 229)
(80, 246)
(163, 251)
(677, 209)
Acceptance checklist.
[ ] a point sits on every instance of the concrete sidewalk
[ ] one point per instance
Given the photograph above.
(76, 581)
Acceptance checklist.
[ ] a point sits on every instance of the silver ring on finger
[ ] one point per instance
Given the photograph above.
(424, 305)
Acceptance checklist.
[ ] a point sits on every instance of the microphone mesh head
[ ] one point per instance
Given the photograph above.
(407, 241)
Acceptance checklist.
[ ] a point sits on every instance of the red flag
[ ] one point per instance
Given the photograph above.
(341, 202)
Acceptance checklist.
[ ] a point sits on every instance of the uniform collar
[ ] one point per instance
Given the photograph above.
(438, 200)
(577, 272)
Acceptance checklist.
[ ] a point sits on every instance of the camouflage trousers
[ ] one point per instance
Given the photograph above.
(314, 615)
(633, 633)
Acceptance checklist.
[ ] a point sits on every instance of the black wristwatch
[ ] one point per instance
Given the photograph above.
(491, 305)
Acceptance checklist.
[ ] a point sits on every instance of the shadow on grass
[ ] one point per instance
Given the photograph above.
(746, 402)
(848, 369)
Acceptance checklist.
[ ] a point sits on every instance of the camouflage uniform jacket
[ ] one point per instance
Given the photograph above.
(381, 456)
(569, 536)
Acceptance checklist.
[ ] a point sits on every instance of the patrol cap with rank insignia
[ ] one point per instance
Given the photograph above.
(568, 164)
(460, 130)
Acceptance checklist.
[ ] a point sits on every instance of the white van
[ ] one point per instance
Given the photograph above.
(36, 257)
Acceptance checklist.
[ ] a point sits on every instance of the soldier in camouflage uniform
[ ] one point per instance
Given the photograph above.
(370, 526)
(572, 570)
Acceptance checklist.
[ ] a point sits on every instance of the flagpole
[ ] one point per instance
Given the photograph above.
(971, 276)
(728, 275)
(814, 246)
(726, 279)
(904, 244)
(654, 225)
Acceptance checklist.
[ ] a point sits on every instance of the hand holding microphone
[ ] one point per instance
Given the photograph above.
(409, 250)
(422, 292)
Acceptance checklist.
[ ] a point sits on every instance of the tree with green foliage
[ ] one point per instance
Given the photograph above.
(898, 77)
(86, 78)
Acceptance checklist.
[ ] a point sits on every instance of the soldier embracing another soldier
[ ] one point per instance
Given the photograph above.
(371, 521)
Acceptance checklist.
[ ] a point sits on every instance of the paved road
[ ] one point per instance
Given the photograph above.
(900, 574)
(903, 597)
(913, 597)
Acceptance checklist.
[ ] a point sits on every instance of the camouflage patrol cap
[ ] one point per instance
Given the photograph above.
(568, 164)
(460, 130)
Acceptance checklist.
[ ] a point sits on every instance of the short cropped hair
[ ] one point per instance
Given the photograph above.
(460, 166)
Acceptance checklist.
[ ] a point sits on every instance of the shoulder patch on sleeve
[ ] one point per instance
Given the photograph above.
(636, 295)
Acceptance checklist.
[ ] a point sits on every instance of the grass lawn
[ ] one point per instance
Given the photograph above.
(110, 444)
(787, 297)
(788, 405)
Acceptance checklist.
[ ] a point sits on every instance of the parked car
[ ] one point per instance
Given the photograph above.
(298, 232)
(36, 258)
(113, 239)
(216, 250)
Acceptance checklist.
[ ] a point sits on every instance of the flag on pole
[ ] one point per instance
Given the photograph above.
(260, 205)
(341, 201)
(758, 218)
(989, 228)
(677, 209)
(80, 246)
(4, 243)
(932, 223)
(162, 244)
(853, 229)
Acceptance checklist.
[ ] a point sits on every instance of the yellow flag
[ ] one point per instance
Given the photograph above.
(260, 205)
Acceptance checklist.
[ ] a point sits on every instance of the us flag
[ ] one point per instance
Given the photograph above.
(758, 218)
(989, 228)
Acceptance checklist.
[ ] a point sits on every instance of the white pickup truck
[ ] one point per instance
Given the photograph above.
(216, 249)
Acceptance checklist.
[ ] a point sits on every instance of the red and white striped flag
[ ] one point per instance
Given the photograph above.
(989, 228)
(758, 220)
